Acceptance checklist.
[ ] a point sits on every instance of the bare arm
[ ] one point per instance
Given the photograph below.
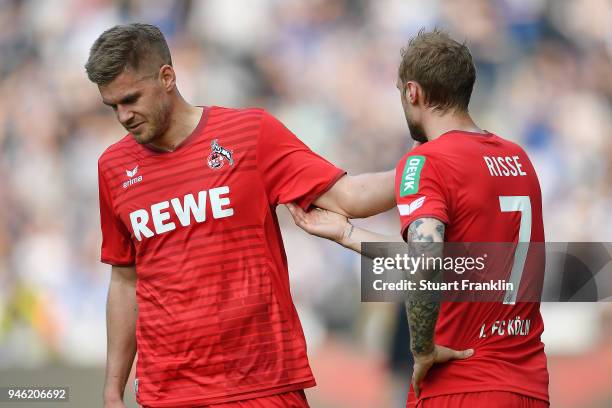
(360, 196)
(335, 227)
(422, 310)
(121, 314)
(427, 234)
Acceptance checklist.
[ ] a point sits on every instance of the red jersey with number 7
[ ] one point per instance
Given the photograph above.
(484, 189)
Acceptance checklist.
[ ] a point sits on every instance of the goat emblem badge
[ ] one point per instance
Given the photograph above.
(218, 155)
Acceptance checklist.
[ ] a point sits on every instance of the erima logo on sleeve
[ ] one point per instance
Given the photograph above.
(407, 209)
(411, 175)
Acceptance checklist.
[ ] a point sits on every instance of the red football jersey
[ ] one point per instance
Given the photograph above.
(216, 321)
(484, 189)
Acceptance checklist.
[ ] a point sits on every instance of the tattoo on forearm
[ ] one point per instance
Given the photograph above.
(422, 309)
(440, 230)
(426, 230)
(422, 317)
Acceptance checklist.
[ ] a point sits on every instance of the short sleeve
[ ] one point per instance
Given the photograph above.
(290, 171)
(419, 191)
(117, 246)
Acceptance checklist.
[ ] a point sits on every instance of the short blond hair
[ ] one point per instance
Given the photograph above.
(442, 66)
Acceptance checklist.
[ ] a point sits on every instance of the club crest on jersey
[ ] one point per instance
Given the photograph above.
(219, 154)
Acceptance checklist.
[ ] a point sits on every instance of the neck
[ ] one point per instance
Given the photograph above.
(437, 124)
(184, 118)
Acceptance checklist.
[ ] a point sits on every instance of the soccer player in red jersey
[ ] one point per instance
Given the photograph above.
(199, 283)
(461, 184)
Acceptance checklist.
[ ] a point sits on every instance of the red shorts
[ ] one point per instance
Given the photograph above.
(485, 399)
(293, 399)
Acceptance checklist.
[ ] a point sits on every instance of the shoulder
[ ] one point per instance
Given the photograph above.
(252, 121)
(511, 148)
(429, 152)
(510, 145)
(221, 113)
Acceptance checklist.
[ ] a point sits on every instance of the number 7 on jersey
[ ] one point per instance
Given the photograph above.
(522, 204)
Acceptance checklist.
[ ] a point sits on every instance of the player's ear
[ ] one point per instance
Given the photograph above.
(167, 77)
(413, 92)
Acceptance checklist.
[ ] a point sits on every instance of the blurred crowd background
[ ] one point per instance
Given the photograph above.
(327, 69)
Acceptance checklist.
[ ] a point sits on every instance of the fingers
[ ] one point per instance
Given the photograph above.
(463, 354)
(417, 376)
(444, 354)
(291, 208)
(416, 388)
(295, 210)
(297, 213)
